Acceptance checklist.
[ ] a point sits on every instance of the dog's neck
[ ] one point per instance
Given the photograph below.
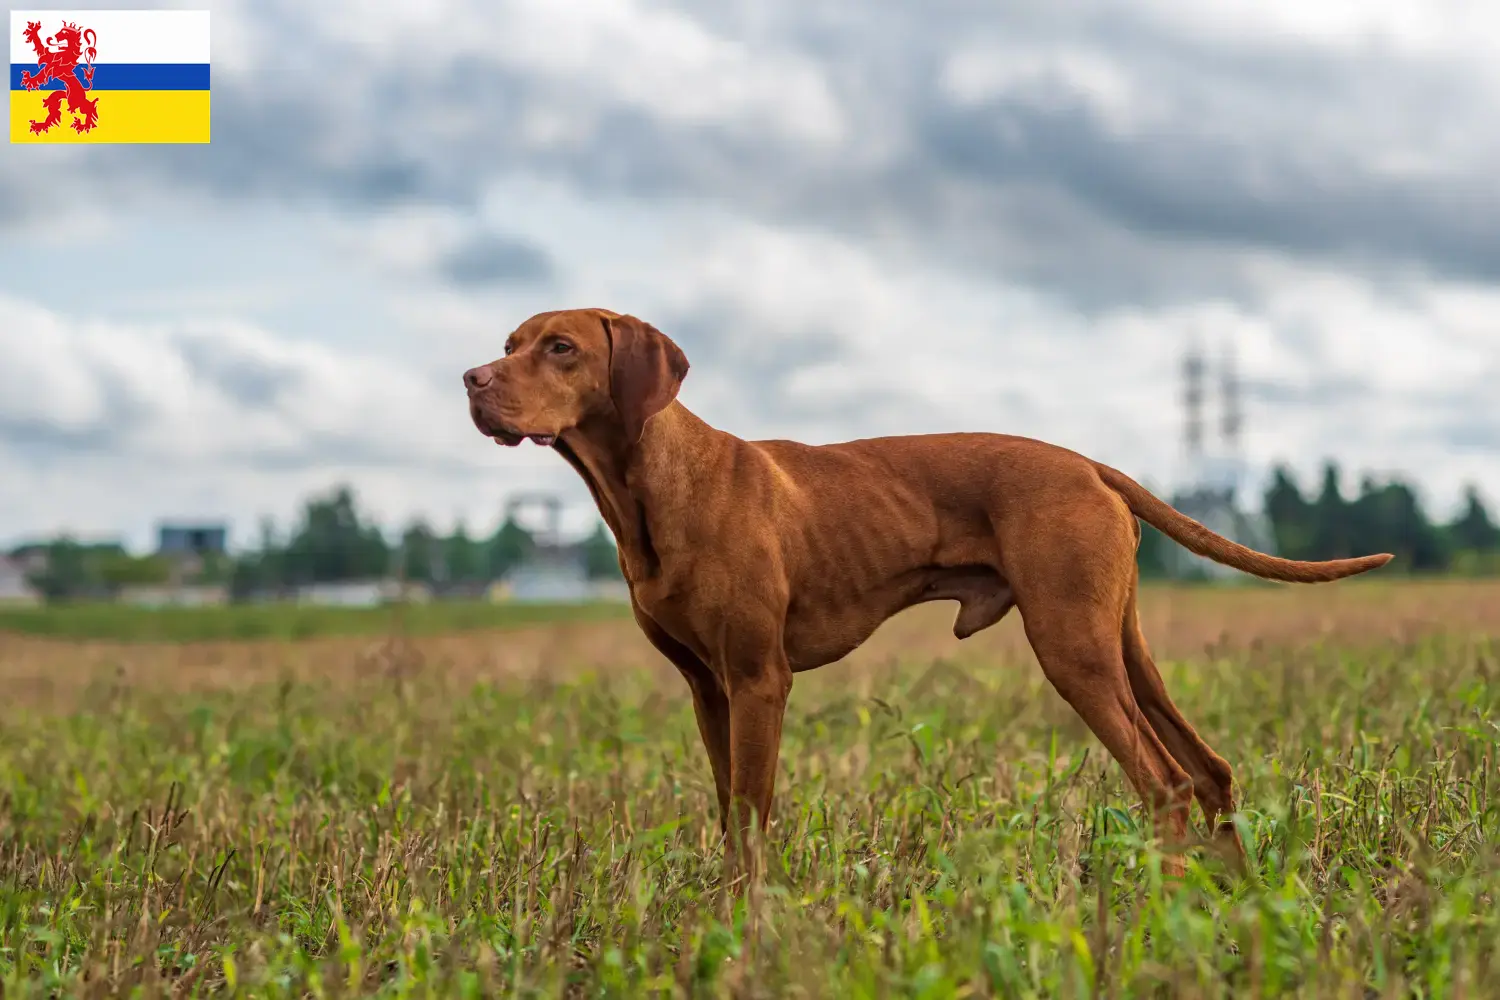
(628, 479)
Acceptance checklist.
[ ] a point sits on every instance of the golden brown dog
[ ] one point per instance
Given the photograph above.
(749, 561)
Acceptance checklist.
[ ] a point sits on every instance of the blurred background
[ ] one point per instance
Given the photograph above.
(1245, 252)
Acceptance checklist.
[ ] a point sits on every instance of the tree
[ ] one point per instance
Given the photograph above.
(67, 574)
(1330, 520)
(1151, 555)
(464, 559)
(261, 571)
(1389, 518)
(418, 547)
(216, 568)
(121, 569)
(1290, 515)
(508, 547)
(333, 543)
(75, 571)
(601, 558)
(1474, 530)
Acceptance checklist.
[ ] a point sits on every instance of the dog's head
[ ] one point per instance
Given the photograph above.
(561, 369)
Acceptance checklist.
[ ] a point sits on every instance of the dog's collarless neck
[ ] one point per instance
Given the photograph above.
(604, 466)
(626, 480)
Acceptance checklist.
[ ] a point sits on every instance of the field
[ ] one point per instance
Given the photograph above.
(527, 811)
(280, 621)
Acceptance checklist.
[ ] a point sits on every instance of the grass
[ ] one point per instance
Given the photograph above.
(432, 821)
(286, 621)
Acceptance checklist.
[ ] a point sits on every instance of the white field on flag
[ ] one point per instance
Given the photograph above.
(124, 36)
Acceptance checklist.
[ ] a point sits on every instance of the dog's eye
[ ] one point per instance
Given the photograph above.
(561, 347)
(508, 348)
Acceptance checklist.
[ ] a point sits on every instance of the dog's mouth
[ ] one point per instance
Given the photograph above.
(508, 436)
(504, 433)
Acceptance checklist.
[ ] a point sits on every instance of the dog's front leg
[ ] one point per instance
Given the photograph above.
(758, 682)
(710, 704)
(712, 709)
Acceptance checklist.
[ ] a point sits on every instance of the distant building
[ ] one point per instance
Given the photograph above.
(611, 590)
(344, 593)
(361, 593)
(191, 539)
(32, 558)
(528, 584)
(186, 547)
(15, 589)
(168, 596)
(460, 590)
(34, 561)
(555, 571)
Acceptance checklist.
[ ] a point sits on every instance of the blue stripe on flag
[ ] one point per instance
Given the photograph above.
(127, 76)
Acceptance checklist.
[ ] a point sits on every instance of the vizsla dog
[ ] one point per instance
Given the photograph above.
(750, 561)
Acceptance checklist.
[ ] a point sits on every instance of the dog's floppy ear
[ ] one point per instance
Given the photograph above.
(645, 371)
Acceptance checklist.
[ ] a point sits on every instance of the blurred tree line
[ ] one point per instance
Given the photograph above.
(1382, 517)
(333, 540)
(75, 570)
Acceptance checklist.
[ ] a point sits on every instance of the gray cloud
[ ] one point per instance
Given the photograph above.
(1319, 390)
(1478, 434)
(713, 333)
(12, 204)
(1198, 188)
(245, 378)
(46, 440)
(1252, 145)
(488, 259)
(276, 147)
(37, 438)
(350, 451)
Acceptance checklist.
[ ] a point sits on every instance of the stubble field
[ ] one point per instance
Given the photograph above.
(528, 812)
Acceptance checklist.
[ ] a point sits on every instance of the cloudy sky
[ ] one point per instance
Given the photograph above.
(856, 218)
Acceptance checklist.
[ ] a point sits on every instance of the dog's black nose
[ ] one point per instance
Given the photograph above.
(478, 378)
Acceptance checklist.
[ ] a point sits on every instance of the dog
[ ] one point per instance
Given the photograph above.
(751, 561)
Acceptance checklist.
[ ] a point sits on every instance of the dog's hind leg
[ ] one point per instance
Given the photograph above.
(1087, 668)
(1072, 571)
(1213, 781)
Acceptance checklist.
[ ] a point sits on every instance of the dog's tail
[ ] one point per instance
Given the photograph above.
(1196, 538)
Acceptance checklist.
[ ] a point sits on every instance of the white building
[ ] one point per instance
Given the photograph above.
(15, 589)
(188, 595)
(555, 571)
(352, 593)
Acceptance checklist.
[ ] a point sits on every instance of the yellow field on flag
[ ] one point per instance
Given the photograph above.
(124, 116)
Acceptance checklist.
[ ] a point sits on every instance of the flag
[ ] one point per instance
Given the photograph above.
(109, 76)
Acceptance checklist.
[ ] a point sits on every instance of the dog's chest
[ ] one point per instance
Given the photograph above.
(669, 607)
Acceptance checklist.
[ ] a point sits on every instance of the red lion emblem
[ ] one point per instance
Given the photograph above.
(56, 59)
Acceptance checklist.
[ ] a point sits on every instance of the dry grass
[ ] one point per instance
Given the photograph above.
(529, 813)
(1181, 623)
